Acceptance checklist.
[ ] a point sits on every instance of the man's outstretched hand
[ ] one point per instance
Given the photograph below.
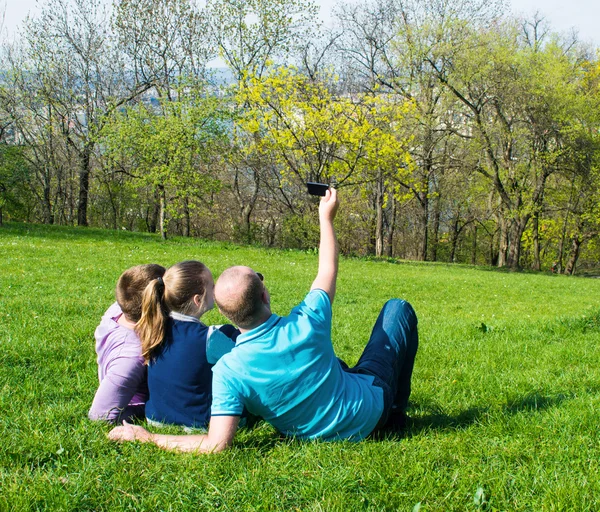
(129, 432)
(328, 205)
(220, 436)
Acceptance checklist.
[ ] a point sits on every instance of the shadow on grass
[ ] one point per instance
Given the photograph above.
(435, 419)
(535, 402)
(263, 438)
(430, 418)
(438, 420)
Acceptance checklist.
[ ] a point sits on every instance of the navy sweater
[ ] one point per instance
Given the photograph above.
(180, 376)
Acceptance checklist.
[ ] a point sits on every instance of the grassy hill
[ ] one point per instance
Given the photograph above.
(506, 389)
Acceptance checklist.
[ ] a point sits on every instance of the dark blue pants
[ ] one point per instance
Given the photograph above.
(390, 355)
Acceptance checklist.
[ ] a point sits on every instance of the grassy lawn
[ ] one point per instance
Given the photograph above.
(506, 389)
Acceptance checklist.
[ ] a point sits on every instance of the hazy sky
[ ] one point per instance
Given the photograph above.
(563, 15)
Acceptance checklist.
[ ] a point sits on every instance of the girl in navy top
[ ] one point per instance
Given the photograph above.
(179, 349)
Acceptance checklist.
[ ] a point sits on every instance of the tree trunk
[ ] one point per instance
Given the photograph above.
(454, 237)
(372, 244)
(163, 212)
(245, 216)
(423, 225)
(271, 232)
(503, 242)
(245, 204)
(572, 207)
(71, 202)
(186, 213)
(561, 245)
(435, 228)
(493, 250)
(537, 265)
(48, 210)
(113, 203)
(576, 243)
(474, 246)
(391, 228)
(84, 184)
(514, 249)
(114, 214)
(379, 215)
(48, 213)
(574, 256)
(152, 217)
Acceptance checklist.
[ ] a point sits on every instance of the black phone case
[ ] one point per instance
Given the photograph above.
(316, 189)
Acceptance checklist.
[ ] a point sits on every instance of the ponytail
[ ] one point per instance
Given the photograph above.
(185, 279)
(152, 324)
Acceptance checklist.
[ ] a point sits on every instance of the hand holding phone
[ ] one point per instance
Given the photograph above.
(328, 206)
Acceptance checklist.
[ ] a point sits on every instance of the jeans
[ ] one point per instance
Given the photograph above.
(390, 355)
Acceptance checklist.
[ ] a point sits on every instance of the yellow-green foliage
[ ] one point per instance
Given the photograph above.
(314, 134)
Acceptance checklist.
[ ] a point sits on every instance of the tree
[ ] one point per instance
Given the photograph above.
(165, 43)
(252, 33)
(14, 172)
(313, 135)
(574, 191)
(250, 36)
(72, 79)
(387, 45)
(516, 97)
(169, 149)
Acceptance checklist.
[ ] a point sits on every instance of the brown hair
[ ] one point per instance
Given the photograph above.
(242, 307)
(173, 292)
(131, 286)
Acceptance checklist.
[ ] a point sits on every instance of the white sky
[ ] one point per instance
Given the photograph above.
(563, 15)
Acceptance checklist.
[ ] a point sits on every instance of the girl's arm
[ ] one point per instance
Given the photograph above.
(119, 385)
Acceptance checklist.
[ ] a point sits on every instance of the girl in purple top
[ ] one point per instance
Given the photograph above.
(123, 388)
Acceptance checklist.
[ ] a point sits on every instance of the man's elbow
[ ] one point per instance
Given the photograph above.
(220, 447)
(205, 448)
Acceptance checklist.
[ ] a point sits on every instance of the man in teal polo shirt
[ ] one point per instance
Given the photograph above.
(284, 369)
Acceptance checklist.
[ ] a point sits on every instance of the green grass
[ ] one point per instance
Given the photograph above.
(506, 389)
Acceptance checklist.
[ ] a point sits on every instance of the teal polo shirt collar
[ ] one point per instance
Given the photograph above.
(261, 330)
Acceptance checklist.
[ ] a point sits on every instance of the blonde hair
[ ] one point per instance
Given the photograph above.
(131, 286)
(175, 291)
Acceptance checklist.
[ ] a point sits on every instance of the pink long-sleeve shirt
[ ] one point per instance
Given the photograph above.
(123, 389)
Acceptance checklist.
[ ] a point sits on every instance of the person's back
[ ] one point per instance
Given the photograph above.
(180, 374)
(123, 389)
(286, 371)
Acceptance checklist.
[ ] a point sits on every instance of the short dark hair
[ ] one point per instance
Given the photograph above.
(131, 286)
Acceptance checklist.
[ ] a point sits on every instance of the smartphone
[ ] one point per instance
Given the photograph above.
(316, 189)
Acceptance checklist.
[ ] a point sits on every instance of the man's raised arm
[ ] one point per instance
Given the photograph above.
(328, 248)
